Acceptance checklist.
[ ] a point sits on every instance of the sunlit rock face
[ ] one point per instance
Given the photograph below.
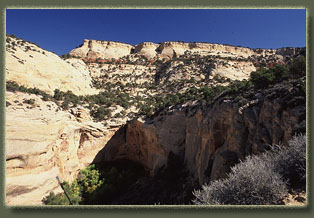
(101, 49)
(93, 49)
(31, 66)
(213, 137)
(43, 142)
(148, 49)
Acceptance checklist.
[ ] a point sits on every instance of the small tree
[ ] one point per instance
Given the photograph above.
(58, 95)
(53, 199)
(280, 73)
(100, 113)
(297, 67)
(262, 78)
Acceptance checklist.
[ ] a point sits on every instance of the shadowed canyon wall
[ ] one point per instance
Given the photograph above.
(213, 137)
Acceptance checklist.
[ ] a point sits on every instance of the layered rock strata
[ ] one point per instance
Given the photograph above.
(43, 142)
(109, 49)
(213, 137)
(101, 49)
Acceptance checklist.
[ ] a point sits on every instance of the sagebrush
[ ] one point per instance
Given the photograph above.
(259, 180)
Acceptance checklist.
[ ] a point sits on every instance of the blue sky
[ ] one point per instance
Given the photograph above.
(61, 30)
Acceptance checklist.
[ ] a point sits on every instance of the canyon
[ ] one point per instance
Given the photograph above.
(210, 138)
(45, 139)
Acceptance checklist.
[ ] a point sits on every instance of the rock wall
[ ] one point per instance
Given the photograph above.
(179, 48)
(213, 137)
(148, 145)
(43, 142)
(148, 49)
(93, 49)
(101, 49)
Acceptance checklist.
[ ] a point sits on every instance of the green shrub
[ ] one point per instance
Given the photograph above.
(58, 95)
(280, 72)
(95, 185)
(237, 85)
(88, 184)
(83, 190)
(45, 96)
(297, 67)
(29, 101)
(67, 98)
(146, 109)
(13, 86)
(71, 97)
(70, 198)
(100, 113)
(65, 105)
(53, 199)
(262, 78)
(123, 102)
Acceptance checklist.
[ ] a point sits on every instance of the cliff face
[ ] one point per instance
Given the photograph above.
(107, 49)
(112, 59)
(43, 142)
(179, 48)
(213, 137)
(148, 49)
(101, 49)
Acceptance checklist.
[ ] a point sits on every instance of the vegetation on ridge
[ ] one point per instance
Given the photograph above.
(117, 94)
